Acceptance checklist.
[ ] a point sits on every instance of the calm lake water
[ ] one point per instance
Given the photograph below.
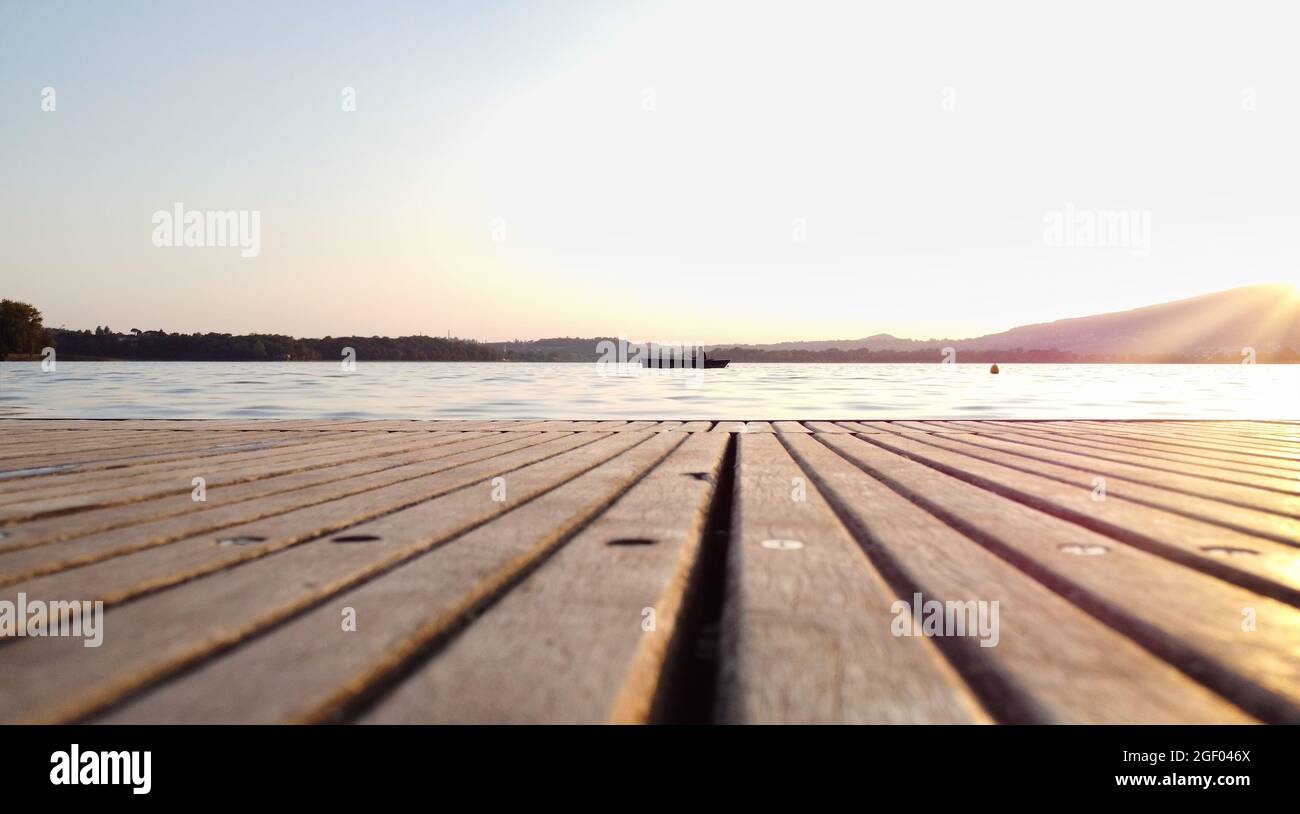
(742, 391)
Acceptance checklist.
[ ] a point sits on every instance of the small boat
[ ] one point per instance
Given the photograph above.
(669, 359)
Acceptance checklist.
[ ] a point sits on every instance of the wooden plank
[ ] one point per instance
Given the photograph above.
(989, 426)
(55, 484)
(1241, 429)
(494, 425)
(1267, 494)
(1233, 437)
(1226, 464)
(966, 426)
(1258, 478)
(400, 425)
(177, 479)
(1186, 539)
(696, 426)
(1190, 619)
(1051, 661)
(868, 425)
(146, 424)
(804, 633)
(151, 424)
(1282, 452)
(187, 446)
(553, 426)
(605, 426)
(52, 443)
(573, 426)
(1204, 546)
(233, 521)
(856, 426)
(400, 612)
(885, 426)
(1211, 452)
(789, 426)
(67, 526)
(824, 426)
(922, 426)
(151, 569)
(174, 629)
(568, 643)
(637, 426)
(1253, 511)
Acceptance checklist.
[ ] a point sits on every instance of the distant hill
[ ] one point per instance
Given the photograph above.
(1210, 328)
(1264, 317)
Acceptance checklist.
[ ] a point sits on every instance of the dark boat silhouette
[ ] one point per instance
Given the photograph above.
(700, 359)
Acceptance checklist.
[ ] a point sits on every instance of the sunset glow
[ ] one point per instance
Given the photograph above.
(661, 171)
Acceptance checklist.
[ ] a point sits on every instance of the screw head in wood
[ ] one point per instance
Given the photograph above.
(1089, 550)
(782, 545)
(243, 540)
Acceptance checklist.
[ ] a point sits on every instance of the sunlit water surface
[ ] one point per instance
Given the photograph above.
(742, 391)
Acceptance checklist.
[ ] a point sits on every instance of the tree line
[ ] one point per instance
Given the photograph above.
(160, 346)
(21, 329)
(22, 333)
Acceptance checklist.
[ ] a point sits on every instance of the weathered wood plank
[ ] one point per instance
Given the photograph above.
(856, 426)
(1227, 463)
(188, 447)
(66, 526)
(70, 499)
(61, 443)
(729, 426)
(805, 632)
(1269, 495)
(1257, 478)
(1191, 619)
(1225, 444)
(1241, 429)
(696, 426)
(1234, 438)
(399, 613)
(177, 628)
(923, 426)
(824, 426)
(1252, 511)
(1121, 609)
(1211, 451)
(1204, 546)
(1051, 661)
(21, 491)
(146, 424)
(568, 644)
(233, 522)
(637, 426)
(789, 426)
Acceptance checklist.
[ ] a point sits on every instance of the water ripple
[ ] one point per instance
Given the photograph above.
(494, 390)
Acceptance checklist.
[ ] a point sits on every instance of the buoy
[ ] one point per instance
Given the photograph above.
(993, 369)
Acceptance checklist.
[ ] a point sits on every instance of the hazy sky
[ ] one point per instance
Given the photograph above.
(677, 170)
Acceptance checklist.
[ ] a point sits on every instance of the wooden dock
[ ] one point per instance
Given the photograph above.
(653, 571)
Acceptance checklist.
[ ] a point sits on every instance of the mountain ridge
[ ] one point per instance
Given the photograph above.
(1265, 317)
